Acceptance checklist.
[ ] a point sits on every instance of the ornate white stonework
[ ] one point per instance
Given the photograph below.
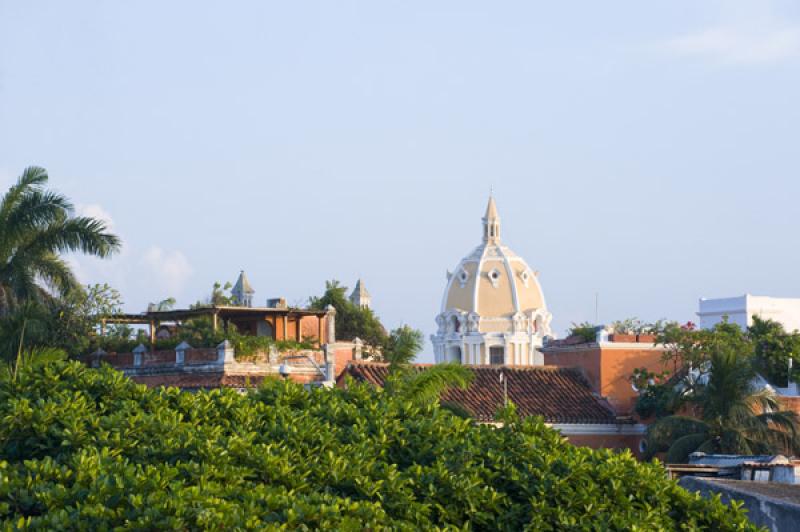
(493, 310)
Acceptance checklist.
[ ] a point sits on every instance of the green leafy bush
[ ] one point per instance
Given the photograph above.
(656, 394)
(585, 331)
(774, 349)
(89, 449)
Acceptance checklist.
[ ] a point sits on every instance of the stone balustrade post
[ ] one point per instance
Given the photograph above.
(96, 357)
(225, 354)
(180, 353)
(330, 318)
(273, 355)
(330, 371)
(358, 347)
(138, 355)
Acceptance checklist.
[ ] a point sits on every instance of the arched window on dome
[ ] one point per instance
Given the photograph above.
(497, 355)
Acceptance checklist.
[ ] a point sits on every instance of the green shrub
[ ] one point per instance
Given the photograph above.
(89, 449)
(585, 331)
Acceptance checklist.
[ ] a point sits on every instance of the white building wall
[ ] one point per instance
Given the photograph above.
(740, 310)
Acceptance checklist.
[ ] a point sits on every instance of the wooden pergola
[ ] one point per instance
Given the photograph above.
(285, 323)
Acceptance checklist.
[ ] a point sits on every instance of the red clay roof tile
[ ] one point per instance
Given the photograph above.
(559, 395)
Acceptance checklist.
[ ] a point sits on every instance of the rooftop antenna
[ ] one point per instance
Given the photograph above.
(597, 308)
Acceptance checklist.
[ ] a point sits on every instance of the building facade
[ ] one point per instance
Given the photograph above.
(493, 310)
(608, 364)
(740, 310)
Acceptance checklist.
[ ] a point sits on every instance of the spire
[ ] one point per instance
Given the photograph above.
(360, 296)
(242, 291)
(491, 223)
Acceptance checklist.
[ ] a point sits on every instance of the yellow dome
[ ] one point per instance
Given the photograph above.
(493, 310)
(493, 282)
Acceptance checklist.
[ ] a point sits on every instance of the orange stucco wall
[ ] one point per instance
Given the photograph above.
(310, 326)
(608, 370)
(586, 359)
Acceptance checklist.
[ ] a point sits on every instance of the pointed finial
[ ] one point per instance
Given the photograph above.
(491, 223)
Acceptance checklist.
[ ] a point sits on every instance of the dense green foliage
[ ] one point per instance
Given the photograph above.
(70, 322)
(199, 332)
(90, 449)
(352, 321)
(656, 397)
(715, 389)
(773, 349)
(36, 227)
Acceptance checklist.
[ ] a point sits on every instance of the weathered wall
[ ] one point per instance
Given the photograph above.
(775, 514)
(608, 441)
(310, 327)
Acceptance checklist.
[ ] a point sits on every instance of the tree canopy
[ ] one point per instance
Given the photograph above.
(774, 348)
(715, 390)
(88, 448)
(352, 321)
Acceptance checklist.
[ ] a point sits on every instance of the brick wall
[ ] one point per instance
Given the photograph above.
(200, 356)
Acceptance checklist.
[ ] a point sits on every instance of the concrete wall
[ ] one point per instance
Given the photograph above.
(775, 514)
(740, 310)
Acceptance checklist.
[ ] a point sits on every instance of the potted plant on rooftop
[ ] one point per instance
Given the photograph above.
(625, 330)
(649, 332)
(581, 333)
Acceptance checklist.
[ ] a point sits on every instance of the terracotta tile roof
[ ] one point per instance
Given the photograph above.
(559, 395)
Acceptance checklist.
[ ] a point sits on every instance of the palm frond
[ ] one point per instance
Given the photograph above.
(56, 273)
(32, 176)
(681, 448)
(428, 385)
(81, 234)
(661, 434)
(37, 208)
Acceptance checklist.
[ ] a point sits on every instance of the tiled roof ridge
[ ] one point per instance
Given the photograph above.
(548, 367)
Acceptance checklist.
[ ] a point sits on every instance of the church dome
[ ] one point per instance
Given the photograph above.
(493, 293)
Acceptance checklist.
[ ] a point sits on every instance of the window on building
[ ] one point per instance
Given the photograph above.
(497, 355)
(455, 354)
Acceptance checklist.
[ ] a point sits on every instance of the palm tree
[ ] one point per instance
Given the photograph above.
(36, 227)
(425, 386)
(732, 416)
(402, 346)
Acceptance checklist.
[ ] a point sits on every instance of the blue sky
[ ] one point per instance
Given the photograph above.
(645, 151)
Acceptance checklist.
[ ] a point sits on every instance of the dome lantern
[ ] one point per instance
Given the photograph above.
(491, 223)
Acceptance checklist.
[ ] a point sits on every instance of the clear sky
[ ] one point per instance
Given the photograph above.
(645, 151)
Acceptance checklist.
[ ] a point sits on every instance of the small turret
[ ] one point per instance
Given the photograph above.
(242, 291)
(360, 296)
